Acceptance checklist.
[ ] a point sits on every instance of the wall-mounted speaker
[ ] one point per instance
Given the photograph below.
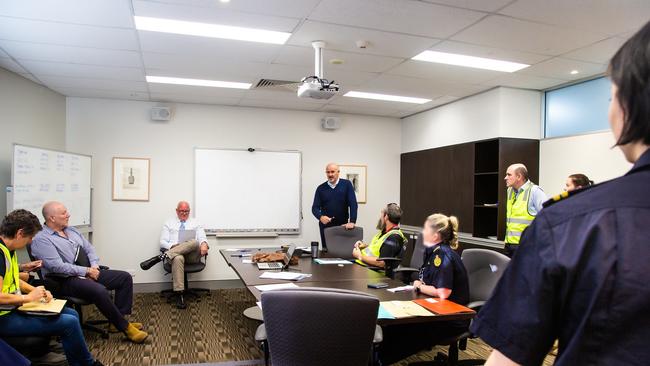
(161, 114)
(331, 123)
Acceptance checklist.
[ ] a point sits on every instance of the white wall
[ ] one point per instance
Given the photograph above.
(590, 154)
(31, 115)
(127, 232)
(500, 112)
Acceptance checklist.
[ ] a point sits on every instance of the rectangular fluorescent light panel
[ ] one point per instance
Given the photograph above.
(210, 30)
(391, 98)
(198, 82)
(469, 61)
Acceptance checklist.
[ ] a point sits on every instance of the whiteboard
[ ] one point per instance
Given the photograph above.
(41, 175)
(237, 191)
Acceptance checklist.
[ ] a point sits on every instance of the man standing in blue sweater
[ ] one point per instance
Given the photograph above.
(332, 201)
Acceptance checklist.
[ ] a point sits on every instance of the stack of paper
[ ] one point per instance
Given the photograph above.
(331, 261)
(290, 276)
(278, 286)
(404, 309)
(400, 289)
(383, 313)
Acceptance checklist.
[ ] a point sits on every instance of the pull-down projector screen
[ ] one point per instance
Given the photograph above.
(244, 192)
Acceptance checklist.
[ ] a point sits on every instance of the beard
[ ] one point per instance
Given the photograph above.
(381, 225)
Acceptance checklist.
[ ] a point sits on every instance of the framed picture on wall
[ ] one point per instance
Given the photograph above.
(131, 179)
(358, 175)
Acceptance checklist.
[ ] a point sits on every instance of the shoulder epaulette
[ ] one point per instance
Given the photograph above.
(564, 195)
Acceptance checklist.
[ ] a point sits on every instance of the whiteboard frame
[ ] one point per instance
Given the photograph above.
(251, 233)
(87, 228)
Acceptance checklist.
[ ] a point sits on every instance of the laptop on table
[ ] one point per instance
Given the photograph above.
(278, 265)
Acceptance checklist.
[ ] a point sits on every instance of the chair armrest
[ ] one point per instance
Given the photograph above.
(8, 307)
(260, 333)
(104, 267)
(390, 259)
(379, 335)
(406, 269)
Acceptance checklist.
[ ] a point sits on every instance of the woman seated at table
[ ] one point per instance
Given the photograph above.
(577, 181)
(442, 275)
(16, 231)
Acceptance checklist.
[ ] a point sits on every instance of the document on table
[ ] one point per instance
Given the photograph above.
(331, 261)
(383, 313)
(278, 286)
(400, 289)
(247, 261)
(290, 276)
(405, 309)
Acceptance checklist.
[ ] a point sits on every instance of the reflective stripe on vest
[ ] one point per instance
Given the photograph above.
(374, 249)
(10, 279)
(517, 216)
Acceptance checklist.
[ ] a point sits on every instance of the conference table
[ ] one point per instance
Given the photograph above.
(347, 277)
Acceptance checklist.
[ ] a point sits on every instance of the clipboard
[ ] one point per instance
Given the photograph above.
(51, 308)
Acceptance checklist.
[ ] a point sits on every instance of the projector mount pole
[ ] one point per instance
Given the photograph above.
(318, 58)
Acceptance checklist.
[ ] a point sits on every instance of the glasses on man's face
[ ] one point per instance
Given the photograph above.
(183, 211)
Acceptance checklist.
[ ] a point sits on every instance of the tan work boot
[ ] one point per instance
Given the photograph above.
(113, 329)
(134, 334)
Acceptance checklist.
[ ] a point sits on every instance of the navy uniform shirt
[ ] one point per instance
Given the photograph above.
(443, 268)
(582, 277)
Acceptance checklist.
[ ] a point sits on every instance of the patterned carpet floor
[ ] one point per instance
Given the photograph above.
(212, 330)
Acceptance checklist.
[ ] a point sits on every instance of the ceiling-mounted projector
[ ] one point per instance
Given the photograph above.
(316, 87)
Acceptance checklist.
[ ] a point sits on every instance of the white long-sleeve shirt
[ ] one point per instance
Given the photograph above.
(171, 228)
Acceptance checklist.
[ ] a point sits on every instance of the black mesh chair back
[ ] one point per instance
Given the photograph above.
(340, 241)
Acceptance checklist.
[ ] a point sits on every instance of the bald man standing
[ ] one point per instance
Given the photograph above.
(335, 202)
(525, 200)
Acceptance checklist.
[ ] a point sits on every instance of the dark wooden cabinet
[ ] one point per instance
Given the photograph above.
(465, 180)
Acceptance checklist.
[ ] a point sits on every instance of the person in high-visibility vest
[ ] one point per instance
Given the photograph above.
(388, 242)
(524, 201)
(16, 231)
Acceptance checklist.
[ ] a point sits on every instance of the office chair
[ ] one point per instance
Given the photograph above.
(28, 346)
(484, 270)
(53, 283)
(407, 274)
(391, 263)
(340, 241)
(193, 292)
(319, 326)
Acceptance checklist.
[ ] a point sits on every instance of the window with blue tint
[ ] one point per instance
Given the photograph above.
(577, 109)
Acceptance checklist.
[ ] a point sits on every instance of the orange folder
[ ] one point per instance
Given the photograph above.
(442, 307)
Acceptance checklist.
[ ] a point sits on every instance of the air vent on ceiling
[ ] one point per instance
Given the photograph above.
(270, 84)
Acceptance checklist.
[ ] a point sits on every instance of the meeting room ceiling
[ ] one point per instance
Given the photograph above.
(91, 48)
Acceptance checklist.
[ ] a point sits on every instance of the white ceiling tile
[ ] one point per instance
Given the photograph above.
(303, 56)
(215, 16)
(112, 13)
(518, 80)
(297, 104)
(207, 48)
(609, 17)
(343, 38)
(11, 65)
(418, 87)
(81, 55)
(67, 34)
(560, 68)
(482, 5)
(404, 16)
(489, 52)
(283, 8)
(509, 33)
(96, 84)
(108, 94)
(443, 73)
(42, 68)
(200, 99)
(199, 91)
(599, 52)
(179, 65)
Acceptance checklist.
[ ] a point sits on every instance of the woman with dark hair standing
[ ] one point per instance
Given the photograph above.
(577, 181)
(16, 231)
(582, 275)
